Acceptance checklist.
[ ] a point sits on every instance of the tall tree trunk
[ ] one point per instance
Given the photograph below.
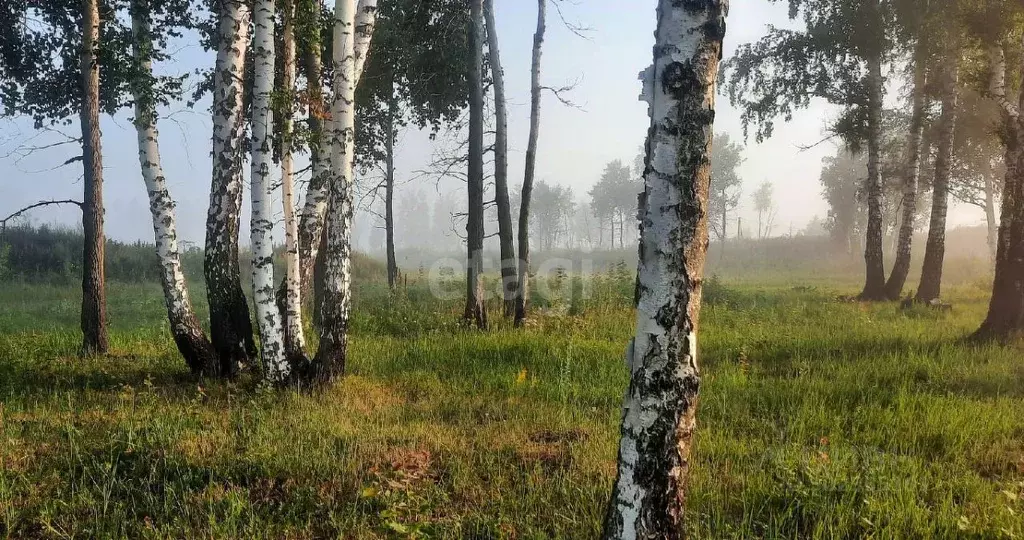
(476, 310)
(992, 224)
(660, 405)
(94, 295)
(389, 191)
(274, 364)
(935, 250)
(898, 278)
(192, 343)
(523, 288)
(353, 29)
(230, 325)
(1005, 319)
(874, 256)
(294, 337)
(311, 219)
(509, 265)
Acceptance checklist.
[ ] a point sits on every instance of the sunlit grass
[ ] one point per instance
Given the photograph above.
(818, 419)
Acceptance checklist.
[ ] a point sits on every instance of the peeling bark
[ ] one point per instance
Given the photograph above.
(230, 325)
(901, 268)
(189, 337)
(509, 266)
(935, 250)
(660, 405)
(94, 296)
(523, 287)
(476, 310)
(874, 256)
(268, 316)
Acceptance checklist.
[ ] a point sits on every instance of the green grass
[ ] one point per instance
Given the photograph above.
(818, 419)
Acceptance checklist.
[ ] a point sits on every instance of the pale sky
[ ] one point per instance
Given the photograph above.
(574, 144)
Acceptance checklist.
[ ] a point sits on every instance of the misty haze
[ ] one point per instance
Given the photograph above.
(511, 269)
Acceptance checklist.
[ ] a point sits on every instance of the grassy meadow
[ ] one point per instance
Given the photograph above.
(818, 419)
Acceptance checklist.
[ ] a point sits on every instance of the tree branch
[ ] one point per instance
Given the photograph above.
(3, 222)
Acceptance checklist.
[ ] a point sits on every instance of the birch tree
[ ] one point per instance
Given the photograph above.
(1005, 319)
(294, 340)
(838, 57)
(523, 288)
(268, 315)
(509, 266)
(230, 324)
(353, 30)
(189, 337)
(901, 267)
(935, 249)
(314, 209)
(659, 414)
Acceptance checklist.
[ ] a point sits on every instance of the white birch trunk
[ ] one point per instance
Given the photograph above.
(267, 314)
(295, 341)
(330, 358)
(230, 326)
(659, 411)
(188, 333)
(314, 210)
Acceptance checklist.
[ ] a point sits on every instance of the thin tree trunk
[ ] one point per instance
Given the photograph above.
(898, 278)
(389, 192)
(874, 256)
(1005, 319)
(192, 343)
(230, 325)
(274, 364)
(94, 296)
(311, 219)
(659, 415)
(509, 279)
(314, 212)
(476, 310)
(353, 29)
(523, 288)
(294, 337)
(992, 224)
(935, 250)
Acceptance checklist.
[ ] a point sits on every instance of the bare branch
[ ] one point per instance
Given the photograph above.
(580, 30)
(558, 93)
(3, 222)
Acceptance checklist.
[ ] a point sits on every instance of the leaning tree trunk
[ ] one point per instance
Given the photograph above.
(230, 325)
(1005, 320)
(94, 296)
(523, 288)
(501, 200)
(874, 257)
(389, 190)
(660, 405)
(274, 364)
(294, 338)
(352, 33)
(935, 249)
(192, 343)
(898, 277)
(476, 310)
